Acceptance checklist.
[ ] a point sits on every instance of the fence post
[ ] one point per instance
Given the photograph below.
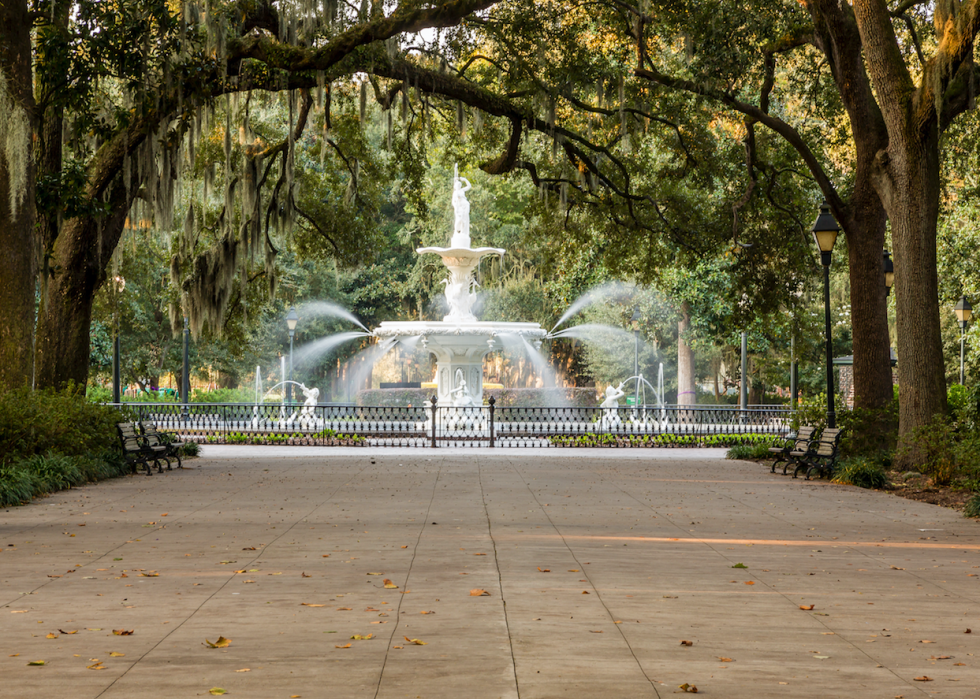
(434, 409)
(492, 402)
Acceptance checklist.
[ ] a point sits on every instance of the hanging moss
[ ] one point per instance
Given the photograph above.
(15, 140)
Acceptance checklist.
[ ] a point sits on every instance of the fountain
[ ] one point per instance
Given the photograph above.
(459, 341)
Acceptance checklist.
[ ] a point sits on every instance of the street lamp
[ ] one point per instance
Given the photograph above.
(291, 320)
(119, 285)
(964, 313)
(185, 377)
(635, 322)
(825, 230)
(889, 269)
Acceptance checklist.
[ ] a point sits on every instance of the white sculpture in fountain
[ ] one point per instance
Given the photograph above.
(610, 407)
(459, 341)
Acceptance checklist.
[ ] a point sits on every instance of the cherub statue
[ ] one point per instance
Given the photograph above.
(461, 207)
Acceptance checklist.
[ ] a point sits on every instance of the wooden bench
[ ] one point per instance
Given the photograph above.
(135, 449)
(155, 438)
(797, 444)
(820, 455)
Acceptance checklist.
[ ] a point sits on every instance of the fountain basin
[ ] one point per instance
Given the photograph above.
(459, 346)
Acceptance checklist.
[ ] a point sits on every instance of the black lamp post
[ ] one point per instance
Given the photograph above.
(185, 378)
(119, 285)
(889, 269)
(291, 320)
(825, 230)
(635, 322)
(964, 313)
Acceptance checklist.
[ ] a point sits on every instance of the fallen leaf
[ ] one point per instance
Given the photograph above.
(116, 655)
(427, 612)
(343, 609)
(13, 655)
(375, 573)
(307, 604)
(295, 696)
(924, 678)
(244, 669)
(390, 585)
(326, 555)
(97, 666)
(399, 647)
(687, 643)
(739, 565)
(897, 568)
(122, 632)
(926, 641)
(806, 607)
(821, 657)
(726, 660)
(359, 637)
(36, 662)
(222, 642)
(68, 633)
(348, 645)
(690, 688)
(544, 570)
(52, 635)
(404, 547)
(750, 582)
(479, 593)
(574, 570)
(940, 657)
(150, 575)
(962, 664)
(968, 631)
(18, 611)
(479, 554)
(585, 592)
(595, 631)
(415, 641)
(216, 691)
(305, 575)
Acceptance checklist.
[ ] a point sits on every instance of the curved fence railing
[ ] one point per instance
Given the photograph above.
(486, 426)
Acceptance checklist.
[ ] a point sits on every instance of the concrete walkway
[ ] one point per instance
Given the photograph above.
(597, 565)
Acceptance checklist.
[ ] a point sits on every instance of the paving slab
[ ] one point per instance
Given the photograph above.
(515, 573)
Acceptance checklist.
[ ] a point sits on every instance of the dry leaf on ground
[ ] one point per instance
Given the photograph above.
(114, 654)
(216, 691)
(390, 585)
(307, 604)
(347, 645)
(688, 688)
(122, 632)
(415, 641)
(479, 593)
(36, 662)
(726, 660)
(544, 570)
(687, 643)
(806, 607)
(359, 637)
(924, 678)
(222, 642)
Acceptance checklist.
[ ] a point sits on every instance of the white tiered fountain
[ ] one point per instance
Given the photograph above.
(459, 341)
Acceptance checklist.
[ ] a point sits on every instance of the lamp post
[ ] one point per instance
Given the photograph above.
(964, 313)
(291, 320)
(119, 285)
(825, 230)
(888, 267)
(185, 377)
(635, 322)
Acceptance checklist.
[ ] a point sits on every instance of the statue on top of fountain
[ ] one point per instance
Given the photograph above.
(461, 207)
(460, 258)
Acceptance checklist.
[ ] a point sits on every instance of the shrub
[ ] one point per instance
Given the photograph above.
(190, 449)
(749, 451)
(862, 472)
(972, 508)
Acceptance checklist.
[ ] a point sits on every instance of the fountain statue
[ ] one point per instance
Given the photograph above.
(610, 407)
(459, 341)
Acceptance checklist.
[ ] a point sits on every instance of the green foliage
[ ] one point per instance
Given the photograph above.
(190, 449)
(749, 452)
(860, 471)
(664, 440)
(64, 423)
(942, 449)
(40, 474)
(972, 508)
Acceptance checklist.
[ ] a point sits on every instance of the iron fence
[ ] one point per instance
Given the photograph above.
(483, 426)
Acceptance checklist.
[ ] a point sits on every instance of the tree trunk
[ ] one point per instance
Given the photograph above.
(17, 213)
(869, 308)
(686, 391)
(913, 186)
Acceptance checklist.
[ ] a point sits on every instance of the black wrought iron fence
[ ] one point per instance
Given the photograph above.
(457, 426)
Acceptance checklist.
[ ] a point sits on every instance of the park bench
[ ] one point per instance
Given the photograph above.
(155, 438)
(796, 444)
(135, 449)
(820, 455)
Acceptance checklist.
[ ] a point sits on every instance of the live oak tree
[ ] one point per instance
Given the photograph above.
(884, 82)
(121, 94)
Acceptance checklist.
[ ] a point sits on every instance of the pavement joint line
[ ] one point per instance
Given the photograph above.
(221, 587)
(500, 583)
(709, 543)
(772, 542)
(571, 552)
(408, 574)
